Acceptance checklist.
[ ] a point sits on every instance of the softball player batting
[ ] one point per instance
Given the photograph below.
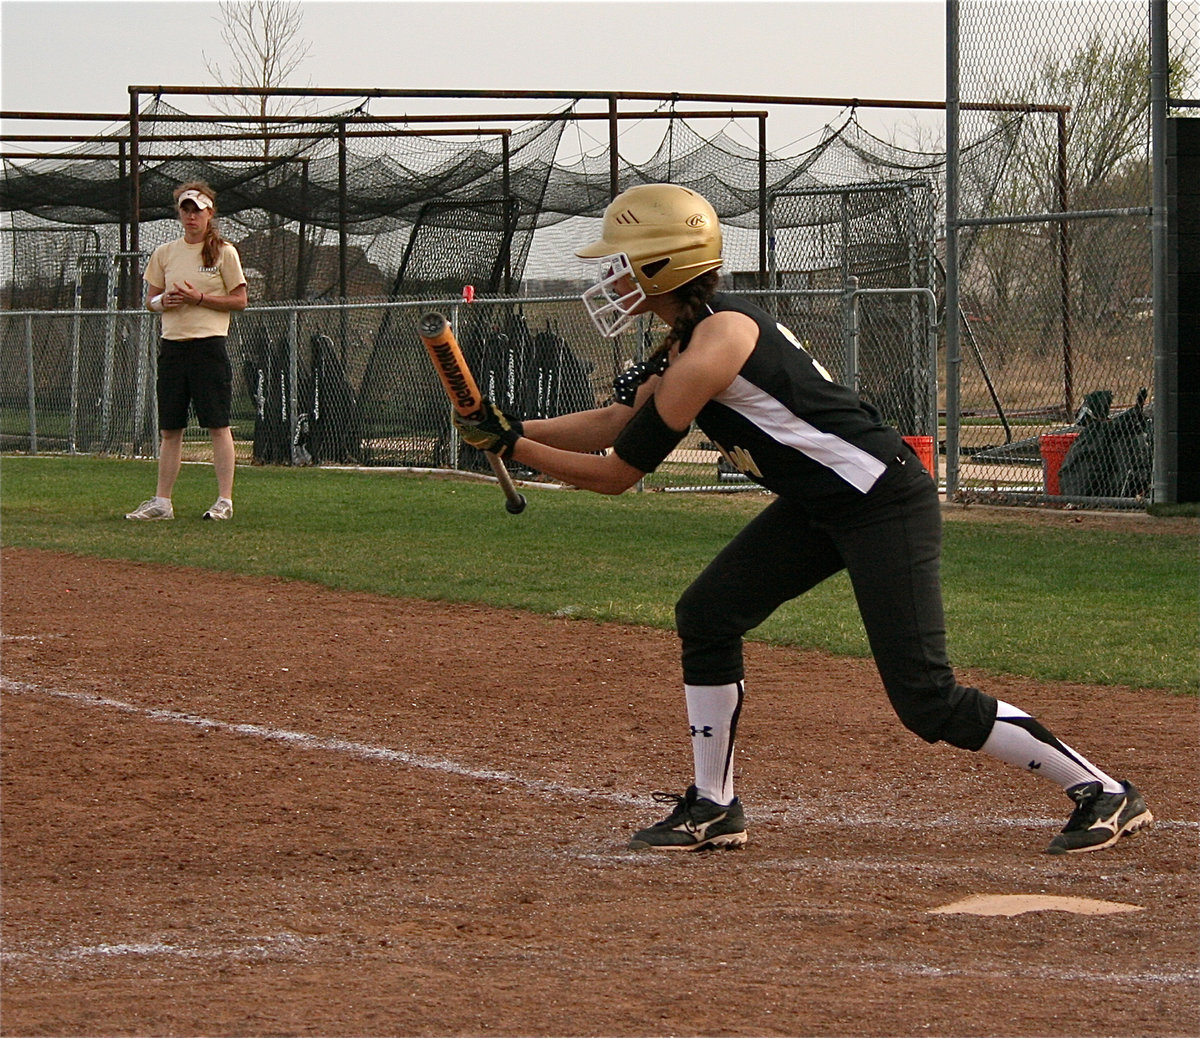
(850, 494)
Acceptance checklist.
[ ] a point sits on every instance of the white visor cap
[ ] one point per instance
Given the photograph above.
(199, 197)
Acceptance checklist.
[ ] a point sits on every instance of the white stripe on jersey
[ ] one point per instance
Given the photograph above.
(858, 468)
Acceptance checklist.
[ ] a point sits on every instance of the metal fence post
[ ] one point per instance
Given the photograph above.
(76, 320)
(1165, 479)
(110, 335)
(454, 441)
(953, 341)
(29, 383)
(141, 383)
(850, 332)
(293, 395)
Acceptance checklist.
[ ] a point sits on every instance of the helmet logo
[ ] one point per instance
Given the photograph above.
(697, 220)
(626, 217)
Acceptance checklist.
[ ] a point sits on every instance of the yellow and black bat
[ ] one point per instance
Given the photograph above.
(451, 366)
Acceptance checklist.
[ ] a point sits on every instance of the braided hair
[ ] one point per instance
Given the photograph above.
(693, 300)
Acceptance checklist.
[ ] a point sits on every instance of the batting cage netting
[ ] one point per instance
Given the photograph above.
(349, 226)
(402, 222)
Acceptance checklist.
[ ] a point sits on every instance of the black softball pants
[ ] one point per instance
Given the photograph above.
(890, 546)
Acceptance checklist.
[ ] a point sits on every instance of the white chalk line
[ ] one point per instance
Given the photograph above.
(1034, 973)
(367, 751)
(308, 741)
(292, 945)
(163, 947)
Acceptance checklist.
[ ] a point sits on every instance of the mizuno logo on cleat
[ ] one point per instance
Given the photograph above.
(700, 829)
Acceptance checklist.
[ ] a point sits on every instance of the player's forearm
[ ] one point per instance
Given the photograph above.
(581, 431)
(602, 473)
(229, 303)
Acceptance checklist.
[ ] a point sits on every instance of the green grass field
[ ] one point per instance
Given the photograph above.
(1104, 606)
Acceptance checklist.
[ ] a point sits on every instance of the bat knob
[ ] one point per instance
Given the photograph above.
(515, 507)
(432, 325)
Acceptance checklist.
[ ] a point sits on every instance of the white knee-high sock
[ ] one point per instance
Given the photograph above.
(713, 715)
(1016, 738)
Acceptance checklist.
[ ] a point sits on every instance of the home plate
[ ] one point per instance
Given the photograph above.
(1016, 904)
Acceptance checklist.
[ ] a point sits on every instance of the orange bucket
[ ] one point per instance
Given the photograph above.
(923, 445)
(1054, 447)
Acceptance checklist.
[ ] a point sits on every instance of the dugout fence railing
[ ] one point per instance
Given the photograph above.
(350, 384)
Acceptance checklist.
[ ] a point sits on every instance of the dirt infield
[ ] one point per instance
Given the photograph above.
(252, 807)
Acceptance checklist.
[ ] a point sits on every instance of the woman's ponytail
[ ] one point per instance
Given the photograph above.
(693, 308)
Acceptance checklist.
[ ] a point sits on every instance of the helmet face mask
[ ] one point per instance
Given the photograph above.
(611, 303)
(661, 236)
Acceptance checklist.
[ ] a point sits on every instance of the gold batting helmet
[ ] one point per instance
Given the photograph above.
(661, 234)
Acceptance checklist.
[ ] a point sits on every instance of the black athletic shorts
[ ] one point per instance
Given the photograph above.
(194, 372)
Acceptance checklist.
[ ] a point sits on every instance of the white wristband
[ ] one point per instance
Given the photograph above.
(156, 304)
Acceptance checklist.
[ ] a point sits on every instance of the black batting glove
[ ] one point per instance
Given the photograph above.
(625, 385)
(489, 429)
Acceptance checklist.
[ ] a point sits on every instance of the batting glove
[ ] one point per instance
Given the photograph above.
(489, 429)
(625, 385)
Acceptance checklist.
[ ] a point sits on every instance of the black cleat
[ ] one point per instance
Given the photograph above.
(1100, 819)
(695, 824)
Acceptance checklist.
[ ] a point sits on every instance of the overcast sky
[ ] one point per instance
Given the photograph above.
(63, 55)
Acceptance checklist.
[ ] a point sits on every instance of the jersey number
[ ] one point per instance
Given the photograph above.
(787, 334)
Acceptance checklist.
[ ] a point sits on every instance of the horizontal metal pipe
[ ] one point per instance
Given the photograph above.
(1081, 214)
(152, 158)
(581, 95)
(314, 135)
(288, 120)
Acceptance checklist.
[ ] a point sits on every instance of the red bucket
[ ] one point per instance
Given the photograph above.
(923, 445)
(1054, 447)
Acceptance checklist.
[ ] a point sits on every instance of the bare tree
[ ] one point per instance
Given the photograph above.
(266, 50)
(1105, 84)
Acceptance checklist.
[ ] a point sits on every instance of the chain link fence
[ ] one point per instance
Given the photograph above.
(351, 384)
(1056, 267)
(1050, 398)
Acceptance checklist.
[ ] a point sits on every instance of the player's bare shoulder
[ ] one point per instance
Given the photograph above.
(716, 353)
(722, 342)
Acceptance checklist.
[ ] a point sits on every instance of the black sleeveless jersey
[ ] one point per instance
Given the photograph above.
(790, 428)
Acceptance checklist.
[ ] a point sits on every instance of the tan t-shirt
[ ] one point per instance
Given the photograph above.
(177, 262)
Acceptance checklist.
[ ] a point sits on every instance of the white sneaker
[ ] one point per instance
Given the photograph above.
(223, 509)
(152, 509)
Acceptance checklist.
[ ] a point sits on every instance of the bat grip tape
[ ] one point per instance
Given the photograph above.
(646, 439)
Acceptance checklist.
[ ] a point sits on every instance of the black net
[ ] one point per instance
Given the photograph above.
(382, 214)
(407, 218)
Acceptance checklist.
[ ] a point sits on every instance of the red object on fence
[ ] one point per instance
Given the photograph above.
(923, 445)
(1054, 447)
(468, 293)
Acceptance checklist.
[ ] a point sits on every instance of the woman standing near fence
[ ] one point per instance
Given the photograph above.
(194, 282)
(850, 495)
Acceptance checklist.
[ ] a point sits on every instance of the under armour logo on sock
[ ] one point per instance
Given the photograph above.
(706, 731)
